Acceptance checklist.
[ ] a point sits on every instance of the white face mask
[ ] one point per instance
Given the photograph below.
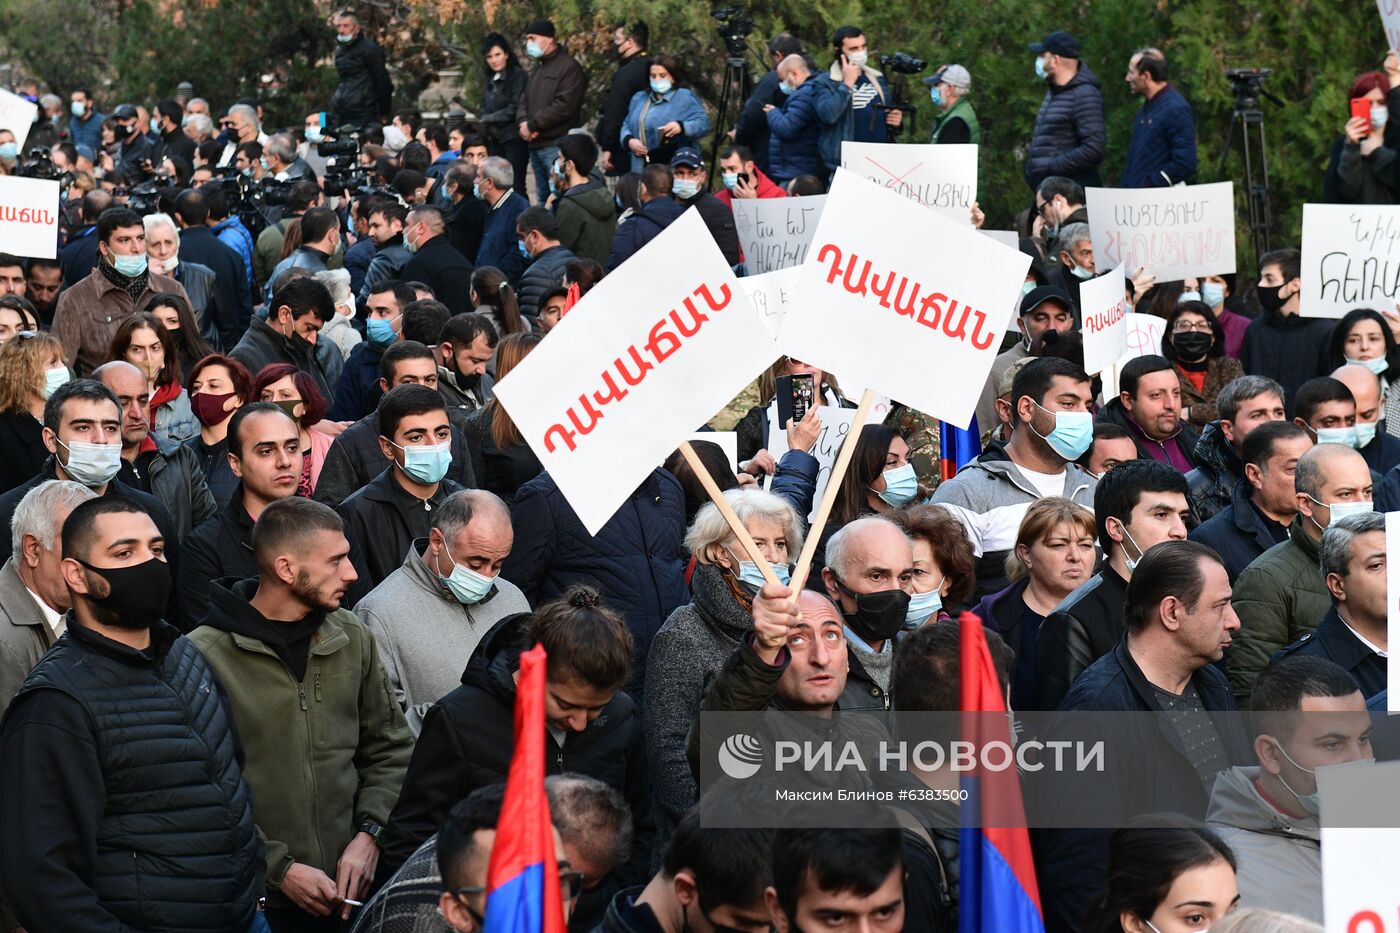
(861, 57)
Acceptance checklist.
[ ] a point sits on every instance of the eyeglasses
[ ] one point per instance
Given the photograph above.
(1183, 327)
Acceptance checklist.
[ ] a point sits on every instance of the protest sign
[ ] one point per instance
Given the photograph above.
(1174, 233)
(653, 350)
(1392, 583)
(1390, 22)
(29, 217)
(1105, 329)
(1142, 336)
(728, 441)
(1005, 237)
(16, 115)
(774, 233)
(926, 296)
(1359, 840)
(1351, 258)
(941, 177)
(771, 295)
(836, 424)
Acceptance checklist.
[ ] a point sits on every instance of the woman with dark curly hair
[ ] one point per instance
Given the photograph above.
(945, 570)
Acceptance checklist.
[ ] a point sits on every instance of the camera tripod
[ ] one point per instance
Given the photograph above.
(1248, 118)
(736, 89)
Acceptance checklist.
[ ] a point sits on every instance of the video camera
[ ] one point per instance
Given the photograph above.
(341, 150)
(903, 63)
(735, 26)
(39, 164)
(144, 198)
(1247, 84)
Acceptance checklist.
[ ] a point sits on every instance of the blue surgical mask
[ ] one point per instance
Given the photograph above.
(426, 463)
(1340, 510)
(130, 266)
(1189, 296)
(265, 165)
(1365, 433)
(9, 151)
(1073, 433)
(342, 39)
(935, 95)
(901, 485)
(93, 465)
(750, 574)
(1312, 803)
(553, 188)
(1027, 288)
(1380, 115)
(1129, 562)
(1040, 68)
(468, 586)
(532, 49)
(1079, 272)
(923, 606)
(314, 135)
(785, 87)
(686, 188)
(380, 331)
(730, 179)
(1378, 366)
(1344, 436)
(660, 87)
(520, 244)
(1213, 294)
(53, 378)
(476, 189)
(77, 109)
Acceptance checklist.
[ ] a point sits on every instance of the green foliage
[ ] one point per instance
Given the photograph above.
(56, 39)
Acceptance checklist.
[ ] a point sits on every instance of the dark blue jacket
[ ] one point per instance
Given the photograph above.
(1236, 533)
(498, 240)
(1146, 771)
(1164, 140)
(794, 146)
(1383, 453)
(1333, 640)
(1069, 135)
(1387, 493)
(641, 228)
(78, 256)
(199, 244)
(357, 393)
(636, 560)
(357, 260)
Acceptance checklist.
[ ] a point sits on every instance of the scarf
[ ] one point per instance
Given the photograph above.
(164, 394)
(134, 286)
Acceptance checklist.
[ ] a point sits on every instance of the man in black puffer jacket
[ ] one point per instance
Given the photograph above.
(1069, 132)
(595, 729)
(122, 799)
(365, 92)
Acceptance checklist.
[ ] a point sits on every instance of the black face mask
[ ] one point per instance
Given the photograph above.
(1192, 344)
(1270, 299)
(878, 616)
(137, 595)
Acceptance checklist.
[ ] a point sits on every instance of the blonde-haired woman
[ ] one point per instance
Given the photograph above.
(31, 368)
(1054, 554)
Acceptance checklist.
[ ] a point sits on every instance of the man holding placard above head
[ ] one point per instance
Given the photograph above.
(1053, 427)
(1043, 308)
(955, 120)
(1069, 132)
(1280, 344)
(1149, 406)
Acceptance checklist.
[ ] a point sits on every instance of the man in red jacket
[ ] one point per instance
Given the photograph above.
(743, 179)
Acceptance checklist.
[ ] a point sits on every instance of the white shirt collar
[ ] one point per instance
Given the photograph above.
(54, 620)
(1363, 639)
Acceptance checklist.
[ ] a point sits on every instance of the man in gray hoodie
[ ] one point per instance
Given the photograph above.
(428, 615)
(1269, 814)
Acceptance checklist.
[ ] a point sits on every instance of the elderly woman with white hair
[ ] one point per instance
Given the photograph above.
(339, 329)
(698, 638)
(163, 254)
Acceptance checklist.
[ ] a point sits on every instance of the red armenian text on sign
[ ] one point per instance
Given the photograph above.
(29, 217)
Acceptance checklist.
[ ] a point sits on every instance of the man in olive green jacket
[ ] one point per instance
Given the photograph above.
(326, 744)
(1282, 596)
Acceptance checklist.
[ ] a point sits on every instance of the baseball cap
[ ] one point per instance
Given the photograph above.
(1038, 297)
(540, 27)
(1057, 43)
(124, 112)
(956, 75)
(688, 156)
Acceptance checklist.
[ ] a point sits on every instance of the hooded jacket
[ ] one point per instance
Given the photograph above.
(1176, 451)
(468, 740)
(641, 228)
(1069, 135)
(1237, 533)
(587, 221)
(1279, 856)
(990, 497)
(1218, 471)
(326, 753)
(1279, 597)
(425, 635)
(1290, 350)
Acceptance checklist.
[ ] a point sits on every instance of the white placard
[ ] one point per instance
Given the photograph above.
(774, 233)
(17, 115)
(1102, 305)
(1359, 893)
(1175, 233)
(941, 177)
(727, 440)
(1005, 237)
(1392, 583)
(836, 424)
(1142, 336)
(1351, 258)
(1390, 22)
(771, 295)
(29, 217)
(650, 352)
(926, 297)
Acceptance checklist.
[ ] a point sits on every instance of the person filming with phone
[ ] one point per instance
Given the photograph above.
(1363, 170)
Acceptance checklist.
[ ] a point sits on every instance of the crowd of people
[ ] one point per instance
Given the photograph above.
(276, 548)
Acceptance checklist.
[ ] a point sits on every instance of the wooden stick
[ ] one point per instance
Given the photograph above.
(727, 510)
(833, 485)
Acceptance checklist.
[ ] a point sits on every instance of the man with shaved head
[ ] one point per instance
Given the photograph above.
(869, 573)
(428, 616)
(170, 472)
(796, 126)
(1282, 595)
(1380, 449)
